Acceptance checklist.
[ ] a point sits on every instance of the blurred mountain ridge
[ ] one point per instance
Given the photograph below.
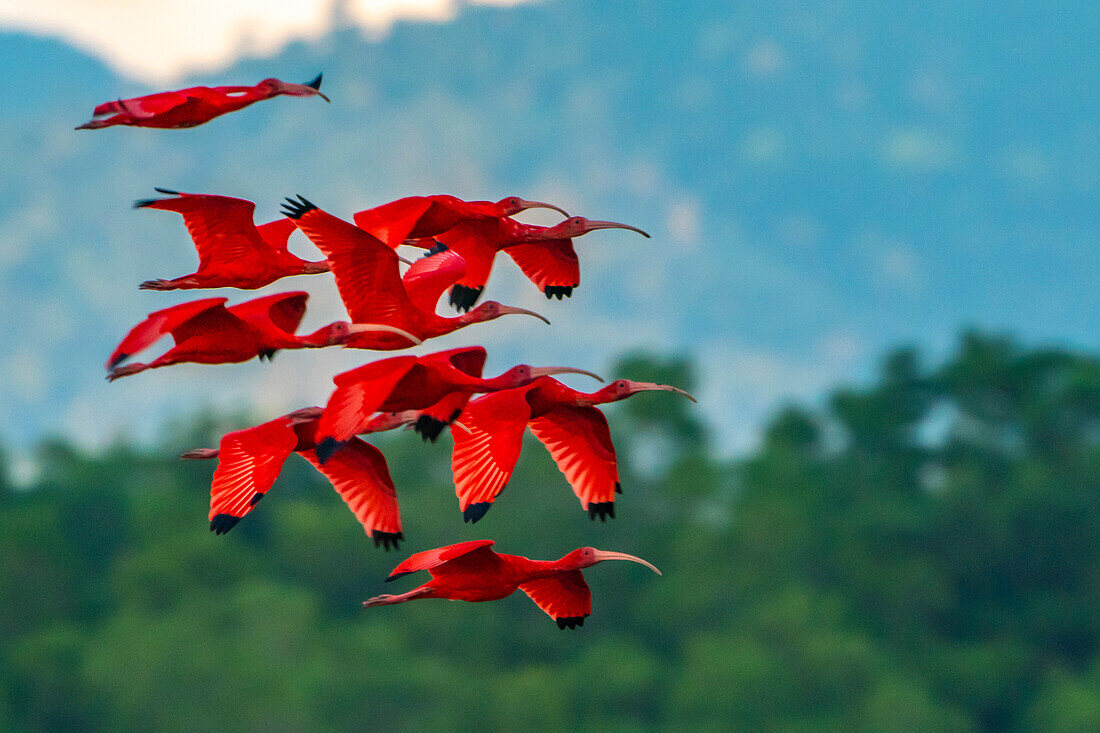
(822, 181)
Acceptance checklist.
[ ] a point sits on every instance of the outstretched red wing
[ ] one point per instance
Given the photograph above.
(393, 222)
(579, 441)
(428, 277)
(358, 394)
(365, 269)
(221, 228)
(429, 559)
(157, 324)
(147, 106)
(468, 360)
(488, 437)
(362, 479)
(548, 264)
(276, 233)
(284, 310)
(561, 596)
(477, 241)
(249, 461)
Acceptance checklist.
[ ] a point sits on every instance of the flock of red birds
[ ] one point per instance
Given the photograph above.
(388, 310)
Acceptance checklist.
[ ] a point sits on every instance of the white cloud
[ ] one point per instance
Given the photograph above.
(742, 384)
(160, 42)
(919, 148)
(766, 59)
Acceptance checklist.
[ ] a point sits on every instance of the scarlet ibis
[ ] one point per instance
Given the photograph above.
(207, 332)
(489, 436)
(251, 459)
(194, 106)
(233, 252)
(544, 254)
(439, 384)
(418, 217)
(470, 571)
(371, 285)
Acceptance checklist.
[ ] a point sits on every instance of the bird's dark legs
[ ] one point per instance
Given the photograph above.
(387, 599)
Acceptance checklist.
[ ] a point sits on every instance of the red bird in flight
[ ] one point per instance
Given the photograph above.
(544, 254)
(233, 252)
(194, 106)
(439, 384)
(471, 571)
(489, 436)
(251, 459)
(373, 289)
(420, 217)
(207, 332)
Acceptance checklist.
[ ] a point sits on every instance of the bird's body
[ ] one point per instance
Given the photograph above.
(471, 571)
(193, 106)
(373, 289)
(439, 384)
(206, 332)
(251, 459)
(544, 254)
(233, 252)
(424, 217)
(488, 437)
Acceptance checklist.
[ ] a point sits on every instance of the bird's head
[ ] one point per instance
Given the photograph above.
(338, 333)
(491, 309)
(275, 87)
(622, 388)
(523, 374)
(514, 205)
(586, 557)
(578, 226)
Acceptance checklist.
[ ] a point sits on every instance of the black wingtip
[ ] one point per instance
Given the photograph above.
(428, 427)
(142, 203)
(327, 448)
(167, 191)
(222, 523)
(387, 540)
(474, 512)
(316, 83)
(436, 249)
(570, 622)
(395, 576)
(601, 509)
(297, 209)
(618, 488)
(559, 291)
(118, 360)
(463, 298)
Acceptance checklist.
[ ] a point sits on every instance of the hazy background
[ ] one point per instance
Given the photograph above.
(825, 183)
(823, 180)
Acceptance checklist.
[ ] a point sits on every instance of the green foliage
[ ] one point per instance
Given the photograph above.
(921, 554)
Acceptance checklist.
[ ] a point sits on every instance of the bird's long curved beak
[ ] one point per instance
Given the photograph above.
(548, 371)
(653, 387)
(380, 328)
(592, 226)
(309, 89)
(602, 555)
(525, 205)
(508, 309)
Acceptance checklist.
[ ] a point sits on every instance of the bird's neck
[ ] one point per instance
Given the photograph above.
(242, 98)
(315, 340)
(516, 232)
